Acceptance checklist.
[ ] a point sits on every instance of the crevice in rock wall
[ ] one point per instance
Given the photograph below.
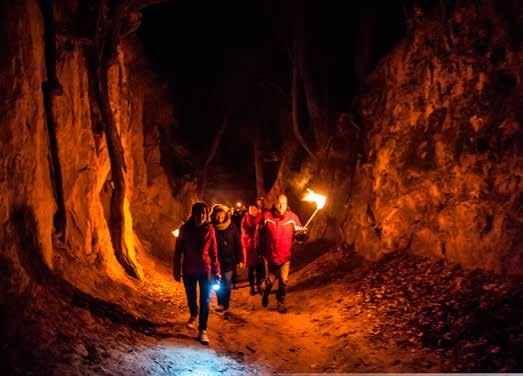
(51, 88)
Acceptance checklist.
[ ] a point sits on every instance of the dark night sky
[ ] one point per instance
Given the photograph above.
(213, 55)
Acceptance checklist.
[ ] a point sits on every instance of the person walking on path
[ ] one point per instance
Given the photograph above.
(260, 203)
(274, 239)
(236, 217)
(196, 261)
(230, 254)
(253, 261)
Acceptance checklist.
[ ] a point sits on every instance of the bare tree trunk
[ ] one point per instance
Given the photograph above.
(311, 96)
(284, 171)
(212, 153)
(258, 165)
(294, 112)
(364, 44)
(103, 56)
(118, 167)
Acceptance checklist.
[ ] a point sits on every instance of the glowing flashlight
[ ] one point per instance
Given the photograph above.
(216, 286)
(176, 233)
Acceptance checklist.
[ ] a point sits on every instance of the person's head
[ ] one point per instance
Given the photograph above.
(260, 201)
(220, 216)
(199, 213)
(253, 210)
(219, 213)
(281, 204)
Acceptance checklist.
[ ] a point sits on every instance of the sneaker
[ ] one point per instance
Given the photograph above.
(203, 338)
(219, 308)
(282, 308)
(191, 324)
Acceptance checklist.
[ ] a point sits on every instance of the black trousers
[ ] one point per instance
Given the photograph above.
(204, 281)
(256, 272)
(224, 294)
(234, 278)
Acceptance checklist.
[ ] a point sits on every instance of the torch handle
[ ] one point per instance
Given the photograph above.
(312, 216)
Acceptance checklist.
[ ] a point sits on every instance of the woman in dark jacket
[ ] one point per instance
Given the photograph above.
(253, 261)
(195, 257)
(230, 252)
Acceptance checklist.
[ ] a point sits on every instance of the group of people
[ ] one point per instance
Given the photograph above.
(210, 247)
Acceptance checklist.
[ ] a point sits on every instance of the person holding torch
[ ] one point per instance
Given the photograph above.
(273, 240)
(196, 260)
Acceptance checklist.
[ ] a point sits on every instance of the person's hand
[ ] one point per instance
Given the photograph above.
(301, 233)
(300, 230)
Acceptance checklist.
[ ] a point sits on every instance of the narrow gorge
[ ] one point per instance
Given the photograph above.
(117, 116)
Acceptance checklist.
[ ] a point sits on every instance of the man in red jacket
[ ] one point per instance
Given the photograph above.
(274, 240)
(196, 258)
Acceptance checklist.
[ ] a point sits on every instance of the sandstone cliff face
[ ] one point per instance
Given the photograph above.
(24, 173)
(442, 168)
(26, 178)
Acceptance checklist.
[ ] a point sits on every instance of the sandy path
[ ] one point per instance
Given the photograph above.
(324, 331)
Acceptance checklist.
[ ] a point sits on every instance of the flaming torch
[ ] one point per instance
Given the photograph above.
(311, 196)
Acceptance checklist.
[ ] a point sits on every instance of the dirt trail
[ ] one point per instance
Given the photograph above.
(322, 332)
(402, 314)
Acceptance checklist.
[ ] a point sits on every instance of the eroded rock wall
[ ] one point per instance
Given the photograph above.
(26, 176)
(442, 170)
(25, 186)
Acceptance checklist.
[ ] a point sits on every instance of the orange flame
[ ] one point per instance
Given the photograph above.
(311, 196)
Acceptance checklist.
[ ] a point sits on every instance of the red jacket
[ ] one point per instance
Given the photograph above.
(196, 250)
(276, 235)
(249, 224)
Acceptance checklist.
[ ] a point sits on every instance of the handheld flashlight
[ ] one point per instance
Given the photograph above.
(216, 285)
